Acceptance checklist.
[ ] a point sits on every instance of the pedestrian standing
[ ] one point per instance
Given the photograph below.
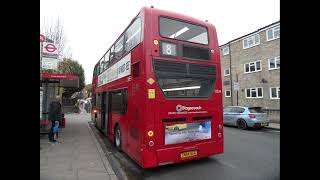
(89, 106)
(86, 105)
(55, 114)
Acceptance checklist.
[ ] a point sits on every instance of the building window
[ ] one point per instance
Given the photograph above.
(227, 93)
(252, 67)
(274, 63)
(226, 83)
(225, 50)
(254, 92)
(275, 93)
(273, 33)
(227, 72)
(251, 41)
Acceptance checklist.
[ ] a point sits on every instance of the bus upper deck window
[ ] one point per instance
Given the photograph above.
(184, 31)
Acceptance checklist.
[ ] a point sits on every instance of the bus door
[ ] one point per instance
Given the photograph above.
(105, 112)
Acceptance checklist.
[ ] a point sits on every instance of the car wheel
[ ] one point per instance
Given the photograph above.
(242, 124)
(176, 129)
(117, 138)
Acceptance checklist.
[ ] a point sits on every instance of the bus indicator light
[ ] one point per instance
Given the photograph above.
(150, 133)
(155, 42)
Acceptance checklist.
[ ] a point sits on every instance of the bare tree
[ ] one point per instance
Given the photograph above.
(55, 32)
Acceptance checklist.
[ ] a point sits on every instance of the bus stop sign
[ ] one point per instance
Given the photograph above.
(49, 48)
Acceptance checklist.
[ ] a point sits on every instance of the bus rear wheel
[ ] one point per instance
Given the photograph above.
(117, 137)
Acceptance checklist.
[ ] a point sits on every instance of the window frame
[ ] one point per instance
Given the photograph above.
(226, 83)
(95, 71)
(255, 66)
(277, 92)
(238, 110)
(137, 18)
(223, 50)
(272, 29)
(277, 58)
(111, 56)
(98, 99)
(184, 21)
(251, 37)
(119, 54)
(225, 93)
(123, 101)
(256, 90)
(224, 72)
(227, 109)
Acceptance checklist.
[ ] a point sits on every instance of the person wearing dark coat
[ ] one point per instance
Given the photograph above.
(55, 114)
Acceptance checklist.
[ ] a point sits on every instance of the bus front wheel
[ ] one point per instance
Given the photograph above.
(117, 137)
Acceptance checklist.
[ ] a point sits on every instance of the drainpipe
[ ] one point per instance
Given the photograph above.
(239, 88)
(230, 74)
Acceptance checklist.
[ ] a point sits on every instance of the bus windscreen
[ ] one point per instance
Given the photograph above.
(173, 29)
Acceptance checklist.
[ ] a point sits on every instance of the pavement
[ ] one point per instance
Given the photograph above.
(78, 156)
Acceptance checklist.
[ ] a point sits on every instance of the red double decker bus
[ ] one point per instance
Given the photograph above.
(157, 90)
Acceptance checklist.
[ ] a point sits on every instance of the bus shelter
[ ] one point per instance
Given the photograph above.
(50, 87)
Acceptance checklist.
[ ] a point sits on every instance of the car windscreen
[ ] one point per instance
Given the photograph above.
(256, 110)
(174, 29)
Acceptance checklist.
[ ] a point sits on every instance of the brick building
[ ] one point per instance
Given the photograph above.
(251, 70)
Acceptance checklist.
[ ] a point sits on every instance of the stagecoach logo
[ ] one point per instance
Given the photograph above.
(180, 108)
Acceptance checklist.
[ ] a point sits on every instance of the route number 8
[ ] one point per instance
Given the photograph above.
(168, 49)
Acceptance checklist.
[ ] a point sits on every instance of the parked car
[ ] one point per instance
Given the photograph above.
(244, 117)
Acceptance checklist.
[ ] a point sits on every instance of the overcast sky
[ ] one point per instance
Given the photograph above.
(91, 26)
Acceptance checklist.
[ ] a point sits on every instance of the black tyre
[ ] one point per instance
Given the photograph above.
(117, 138)
(176, 129)
(242, 124)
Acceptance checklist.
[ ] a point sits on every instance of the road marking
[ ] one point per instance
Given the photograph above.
(275, 131)
(227, 164)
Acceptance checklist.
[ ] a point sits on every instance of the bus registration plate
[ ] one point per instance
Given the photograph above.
(189, 154)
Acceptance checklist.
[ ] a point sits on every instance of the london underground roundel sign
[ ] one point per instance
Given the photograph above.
(49, 48)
